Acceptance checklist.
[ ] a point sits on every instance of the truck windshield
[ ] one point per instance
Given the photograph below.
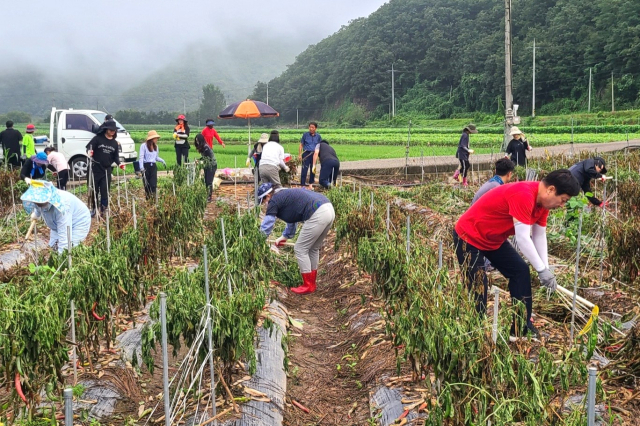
(100, 117)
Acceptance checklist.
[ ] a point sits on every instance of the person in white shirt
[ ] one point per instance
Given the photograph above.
(272, 160)
(59, 166)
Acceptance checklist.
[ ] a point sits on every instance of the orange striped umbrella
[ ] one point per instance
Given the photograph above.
(248, 109)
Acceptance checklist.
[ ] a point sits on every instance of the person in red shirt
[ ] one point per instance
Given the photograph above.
(519, 209)
(209, 133)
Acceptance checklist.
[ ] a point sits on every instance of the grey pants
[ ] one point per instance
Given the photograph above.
(270, 174)
(312, 236)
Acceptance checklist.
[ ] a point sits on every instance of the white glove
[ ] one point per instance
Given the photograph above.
(286, 169)
(114, 164)
(548, 279)
(603, 178)
(27, 181)
(90, 153)
(471, 151)
(34, 216)
(280, 241)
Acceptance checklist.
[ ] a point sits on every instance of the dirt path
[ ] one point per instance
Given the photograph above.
(332, 367)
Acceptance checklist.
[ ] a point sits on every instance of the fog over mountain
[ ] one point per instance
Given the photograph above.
(154, 54)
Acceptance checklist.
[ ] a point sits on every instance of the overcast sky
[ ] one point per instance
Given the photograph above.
(128, 35)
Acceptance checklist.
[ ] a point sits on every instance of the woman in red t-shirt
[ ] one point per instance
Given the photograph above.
(209, 133)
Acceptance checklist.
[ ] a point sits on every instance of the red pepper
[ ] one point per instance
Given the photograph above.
(19, 388)
(93, 312)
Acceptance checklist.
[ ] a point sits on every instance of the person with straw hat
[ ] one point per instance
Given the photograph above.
(518, 147)
(59, 210)
(34, 167)
(147, 159)
(462, 154)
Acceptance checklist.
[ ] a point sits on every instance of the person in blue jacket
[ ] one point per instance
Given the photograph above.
(307, 148)
(59, 210)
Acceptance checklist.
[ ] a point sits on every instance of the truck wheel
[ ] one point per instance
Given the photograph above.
(79, 168)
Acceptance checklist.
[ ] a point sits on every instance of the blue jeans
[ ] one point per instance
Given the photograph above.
(506, 260)
(329, 173)
(307, 164)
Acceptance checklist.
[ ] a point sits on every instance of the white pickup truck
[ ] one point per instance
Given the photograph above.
(71, 130)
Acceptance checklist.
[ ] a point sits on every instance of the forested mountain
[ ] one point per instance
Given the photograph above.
(450, 59)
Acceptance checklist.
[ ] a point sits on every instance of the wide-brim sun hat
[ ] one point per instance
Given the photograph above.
(109, 125)
(264, 138)
(40, 158)
(515, 131)
(152, 135)
(264, 190)
(41, 191)
(181, 117)
(471, 128)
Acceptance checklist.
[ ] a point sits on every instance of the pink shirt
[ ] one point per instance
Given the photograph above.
(57, 160)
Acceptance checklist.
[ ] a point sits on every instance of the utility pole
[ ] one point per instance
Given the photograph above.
(267, 93)
(393, 92)
(589, 104)
(533, 104)
(508, 122)
(613, 108)
(184, 106)
(297, 118)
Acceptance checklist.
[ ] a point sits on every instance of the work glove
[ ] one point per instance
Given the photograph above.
(313, 170)
(164, 163)
(23, 157)
(471, 151)
(90, 153)
(122, 166)
(248, 162)
(34, 216)
(604, 178)
(27, 181)
(286, 169)
(604, 204)
(548, 280)
(280, 241)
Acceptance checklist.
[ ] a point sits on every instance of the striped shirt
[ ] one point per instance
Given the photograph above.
(147, 156)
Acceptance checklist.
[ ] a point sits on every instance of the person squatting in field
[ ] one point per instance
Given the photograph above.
(34, 167)
(519, 209)
(293, 206)
(585, 171)
(103, 155)
(147, 160)
(462, 154)
(59, 210)
(59, 166)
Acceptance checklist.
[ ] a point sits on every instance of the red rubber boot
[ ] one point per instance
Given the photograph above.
(308, 285)
(456, 174)
(464, 182)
